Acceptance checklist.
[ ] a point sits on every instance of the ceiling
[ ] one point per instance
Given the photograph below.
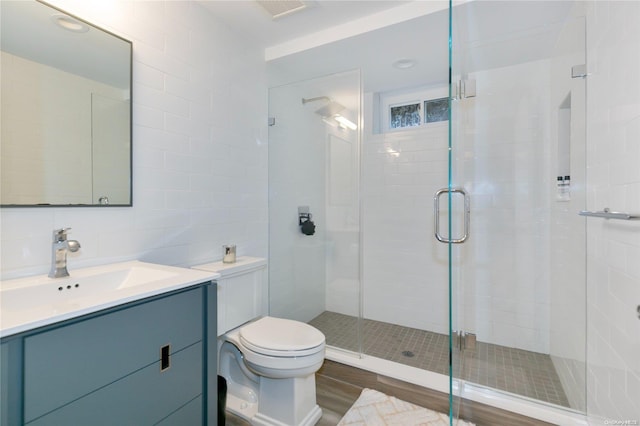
(250, 19)
(332, 36)
(372, 35)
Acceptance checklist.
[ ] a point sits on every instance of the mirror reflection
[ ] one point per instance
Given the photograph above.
(65, 111)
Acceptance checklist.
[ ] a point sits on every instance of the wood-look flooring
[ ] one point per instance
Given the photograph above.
(338, 386)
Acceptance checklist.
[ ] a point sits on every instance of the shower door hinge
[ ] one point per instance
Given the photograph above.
(464, 341)
(468, 88)
(271, 121)
(579, 71)
(465, 89)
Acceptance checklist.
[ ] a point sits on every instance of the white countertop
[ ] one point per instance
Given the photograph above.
(31, 302)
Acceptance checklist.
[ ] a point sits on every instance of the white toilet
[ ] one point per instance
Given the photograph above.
(269, 363)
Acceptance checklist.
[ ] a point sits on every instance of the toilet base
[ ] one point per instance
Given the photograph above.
(282, 402)
(241, 408)
(249, 412)
(311, 419)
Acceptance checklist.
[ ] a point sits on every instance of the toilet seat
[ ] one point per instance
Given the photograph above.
(279, 348)
(279, 337)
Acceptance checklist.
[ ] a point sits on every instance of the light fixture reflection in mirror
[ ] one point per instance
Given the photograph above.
(65, 110)
(70, 24)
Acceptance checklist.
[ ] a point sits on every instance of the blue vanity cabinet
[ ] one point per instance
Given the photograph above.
(10, 382)
(145, 397)
(148, 362)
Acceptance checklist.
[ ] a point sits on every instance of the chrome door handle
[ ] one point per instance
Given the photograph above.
(436, 215)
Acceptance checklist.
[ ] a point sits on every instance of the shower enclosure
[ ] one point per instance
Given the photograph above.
(492, 162)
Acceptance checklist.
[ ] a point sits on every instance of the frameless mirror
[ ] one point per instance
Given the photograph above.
(65, 110)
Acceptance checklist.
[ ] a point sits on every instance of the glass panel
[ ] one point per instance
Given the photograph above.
(455, 124)
(404, 116)
(314, 273)
(436, 110)
(518, 283)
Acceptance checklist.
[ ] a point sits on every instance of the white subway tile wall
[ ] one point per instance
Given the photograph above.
(199, 148)
(503, 166)
(567, 297)
(404, 268)
(613, 180)
(313, 164)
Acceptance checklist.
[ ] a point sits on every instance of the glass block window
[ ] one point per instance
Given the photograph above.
(407, 115)
(436, 110)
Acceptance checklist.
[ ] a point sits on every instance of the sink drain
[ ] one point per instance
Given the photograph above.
(408, 354)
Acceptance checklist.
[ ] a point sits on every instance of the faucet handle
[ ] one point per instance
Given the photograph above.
(60, 234)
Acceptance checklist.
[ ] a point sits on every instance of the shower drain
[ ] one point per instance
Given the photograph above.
(408, 354)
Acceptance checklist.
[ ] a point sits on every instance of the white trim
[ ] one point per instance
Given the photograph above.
(408, 97)
(355, 27)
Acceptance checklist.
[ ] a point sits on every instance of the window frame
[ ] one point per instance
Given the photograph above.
(408, 97)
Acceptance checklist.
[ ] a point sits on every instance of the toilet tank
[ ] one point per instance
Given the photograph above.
(242, 292)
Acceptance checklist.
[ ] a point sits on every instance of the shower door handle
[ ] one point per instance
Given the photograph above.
(436, 215)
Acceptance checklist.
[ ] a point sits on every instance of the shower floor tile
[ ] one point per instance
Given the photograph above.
(521, 372)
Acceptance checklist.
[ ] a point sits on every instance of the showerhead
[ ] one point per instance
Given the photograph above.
(329, 110)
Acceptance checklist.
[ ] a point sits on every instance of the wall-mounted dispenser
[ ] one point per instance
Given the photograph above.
(307, 227)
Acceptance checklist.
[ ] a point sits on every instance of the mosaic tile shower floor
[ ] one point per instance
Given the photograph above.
(521, 372)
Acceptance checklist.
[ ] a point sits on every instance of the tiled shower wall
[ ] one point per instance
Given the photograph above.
(567, 281)
(199, 148)
(313, 164)
(504, 164)
(404, 267)
(297, 177)
(613, 180)
(506, 292)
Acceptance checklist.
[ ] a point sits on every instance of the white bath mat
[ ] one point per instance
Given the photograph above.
(374, 408)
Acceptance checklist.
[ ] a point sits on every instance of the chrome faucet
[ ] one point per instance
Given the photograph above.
(59, 248)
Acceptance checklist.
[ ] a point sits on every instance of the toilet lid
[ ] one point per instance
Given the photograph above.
(280, 337)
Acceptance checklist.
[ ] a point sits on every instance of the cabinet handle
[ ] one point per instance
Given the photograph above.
(165, 357)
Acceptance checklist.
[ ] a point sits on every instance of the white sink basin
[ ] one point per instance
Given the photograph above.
(27, 303)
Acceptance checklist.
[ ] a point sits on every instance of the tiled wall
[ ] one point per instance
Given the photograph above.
(199, 148)
(504, 164)
(296, 178)
(613, 180)
(503, 292)
(567, 332)
(404, 268)
(313, 164)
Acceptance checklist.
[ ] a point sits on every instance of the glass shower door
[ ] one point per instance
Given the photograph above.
(314, 210)
(517, 146)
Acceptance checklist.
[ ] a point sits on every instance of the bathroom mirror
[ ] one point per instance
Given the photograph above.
(65, 112)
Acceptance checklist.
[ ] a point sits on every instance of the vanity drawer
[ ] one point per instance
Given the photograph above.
(66, 363)
(189, 414)
(146, 397)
